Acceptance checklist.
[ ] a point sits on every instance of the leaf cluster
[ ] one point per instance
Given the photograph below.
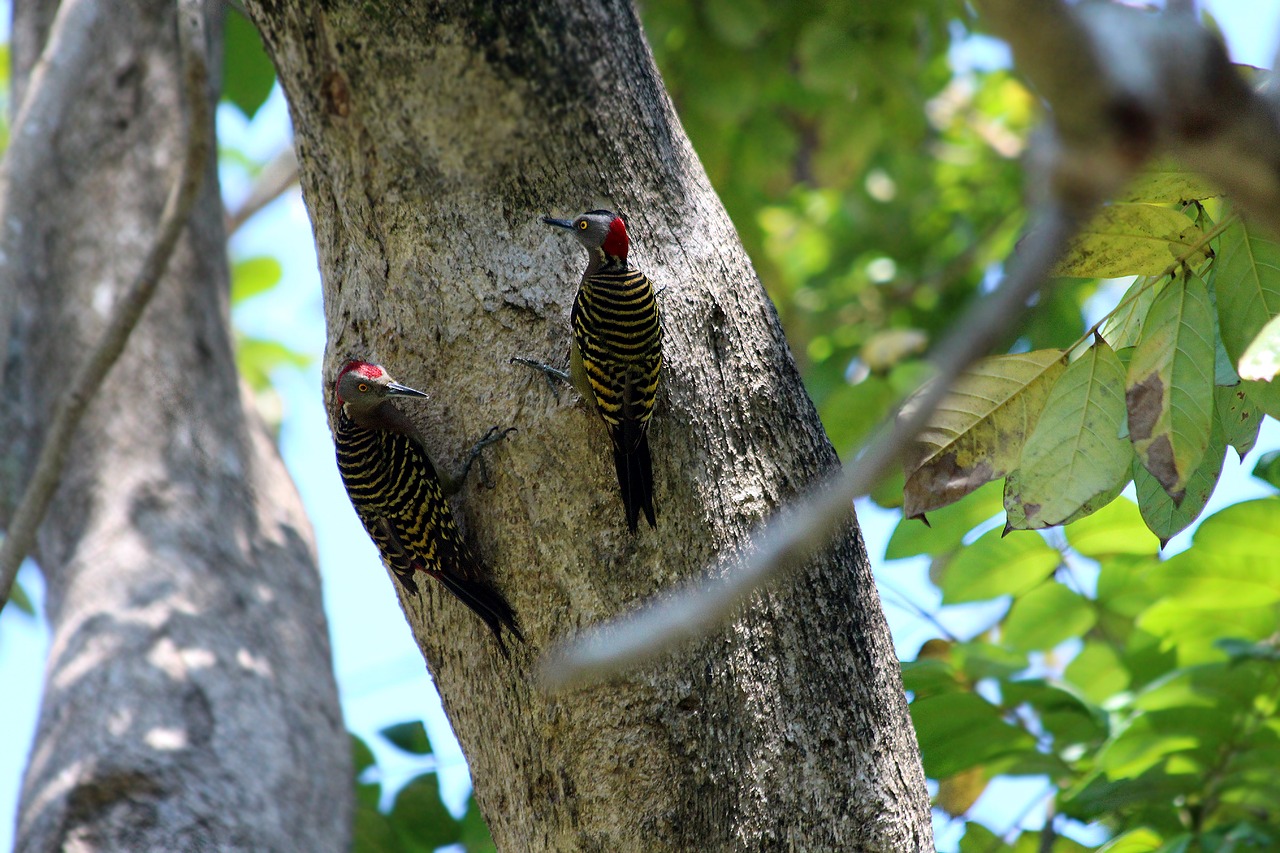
(1146, 692)
(417, 821)
(1153, 395)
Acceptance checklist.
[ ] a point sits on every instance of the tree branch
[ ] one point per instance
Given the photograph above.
(50, 89)
(1121, 84)
(195, 85)
(273, 181)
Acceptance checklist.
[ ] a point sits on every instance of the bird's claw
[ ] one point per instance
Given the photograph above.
(548, 372)
(494, 435)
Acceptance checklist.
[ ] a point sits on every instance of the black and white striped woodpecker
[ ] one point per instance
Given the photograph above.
(400, 498)
(616, 354)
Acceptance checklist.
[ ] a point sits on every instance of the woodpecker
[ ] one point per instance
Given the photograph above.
(400, 498)
(616, 354)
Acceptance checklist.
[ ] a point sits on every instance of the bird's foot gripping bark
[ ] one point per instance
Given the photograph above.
(494, 435)
(549, 373)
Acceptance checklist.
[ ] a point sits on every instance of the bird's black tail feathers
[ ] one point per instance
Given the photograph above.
(488, 603)
(635, 476)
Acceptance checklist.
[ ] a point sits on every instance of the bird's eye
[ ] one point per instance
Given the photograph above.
(362, 387)
(582, 226)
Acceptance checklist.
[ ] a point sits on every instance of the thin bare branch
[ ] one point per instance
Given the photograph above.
(275, 179)
(787, 542)
(50, 92)
(173, 219)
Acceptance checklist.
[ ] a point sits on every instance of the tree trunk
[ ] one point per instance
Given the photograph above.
(189, 702)
(432, 137)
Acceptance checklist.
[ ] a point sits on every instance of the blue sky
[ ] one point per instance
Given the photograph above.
(380, 672)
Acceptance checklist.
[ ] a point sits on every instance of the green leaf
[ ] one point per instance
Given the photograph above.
(1045, 617)
(928, 677)
(1147, 742)
(1122, 582)
(247, 72)
(1075, 455)
(1097, 672)
(978, 660)
(977, 433)
(1268, 468)
(1170, 385)
(1164, 181)
(850, 412)
(1261, 359)
(826, 64)
(1141, 840)
(1130, 239)
(252, 276)
(1123, 326)
(1239, 417)
(410, 736)
(419, 817)
(739, 24)
(997, 565)
(1202, 582)
(372, 832)
(959, 730)
(475, 835)
(367, 793)
(946, 528)
(978, 839)
(18, 598)
(1117, 528)
(257, 357)
(1192, 631)
(1247, 282)
(1163, 515)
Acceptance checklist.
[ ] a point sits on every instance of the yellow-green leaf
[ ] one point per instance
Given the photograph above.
(1261, 359)
(1075, 453)
(1140, 840)
(1163, 181)
(1131, 239)
(1247, 282)
(1239, 415)
(1163, 516)
(977, 433)
(253, 276)
(1170, 384)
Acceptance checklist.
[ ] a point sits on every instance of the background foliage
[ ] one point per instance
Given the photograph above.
(868, 154)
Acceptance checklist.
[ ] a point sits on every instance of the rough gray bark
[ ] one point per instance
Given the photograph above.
(431, 138)
(189, 702)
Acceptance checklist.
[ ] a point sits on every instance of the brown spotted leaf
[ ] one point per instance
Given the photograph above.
(1169, 394)
(1131, 239)
(977, 433)
(1075, 458)
(1239, 415)
(1166, 518)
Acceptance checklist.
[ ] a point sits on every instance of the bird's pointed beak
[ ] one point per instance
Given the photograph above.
(395, 389)
(559, 223)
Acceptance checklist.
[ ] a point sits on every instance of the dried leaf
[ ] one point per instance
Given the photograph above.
(977, 433)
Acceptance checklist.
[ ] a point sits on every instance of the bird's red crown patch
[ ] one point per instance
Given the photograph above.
(616, 244)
